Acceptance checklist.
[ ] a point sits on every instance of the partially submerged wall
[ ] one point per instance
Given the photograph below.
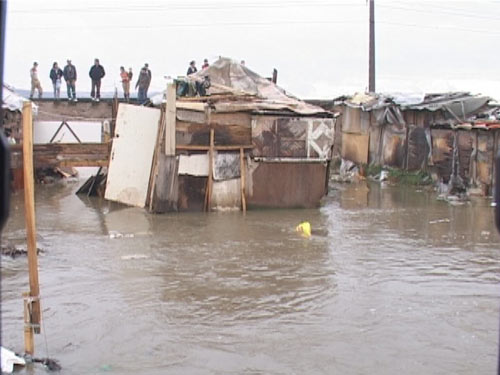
(420, 140)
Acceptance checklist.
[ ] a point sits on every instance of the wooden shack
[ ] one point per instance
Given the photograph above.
(245, 144)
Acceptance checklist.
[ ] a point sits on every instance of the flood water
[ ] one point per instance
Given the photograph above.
(392, 282)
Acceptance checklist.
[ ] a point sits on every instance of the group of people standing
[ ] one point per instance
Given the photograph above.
(96, 75)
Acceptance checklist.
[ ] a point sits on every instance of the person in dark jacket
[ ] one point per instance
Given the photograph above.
(192, 68)
(69, 74)
(96, 73)
(143, 84)
(56, 75)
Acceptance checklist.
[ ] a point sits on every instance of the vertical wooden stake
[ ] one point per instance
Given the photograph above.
(210, 172)
(29, 213)
(29, 340)
(242, 179)
(170, 120)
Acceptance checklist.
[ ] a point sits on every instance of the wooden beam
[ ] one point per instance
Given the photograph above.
(67, 154)
(170, 120)
(218, 148)
(29, 214)
(242, 179)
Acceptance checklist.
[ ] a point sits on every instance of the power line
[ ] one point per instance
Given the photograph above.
(449, 28)
(468, 15)
(181, 25)
(169, 7)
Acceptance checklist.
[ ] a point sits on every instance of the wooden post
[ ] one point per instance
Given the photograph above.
(208, 193)
(242, 179)
(29, 339)
(170, 120)
(29, 213)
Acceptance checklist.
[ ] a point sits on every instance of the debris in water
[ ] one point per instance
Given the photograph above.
(134, 257)
(114, 235)
(51, 364)
(304, 229)
(439, 221)
(14, 252)
(9, 359)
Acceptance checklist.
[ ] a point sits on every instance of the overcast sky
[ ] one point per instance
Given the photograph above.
(319, 47)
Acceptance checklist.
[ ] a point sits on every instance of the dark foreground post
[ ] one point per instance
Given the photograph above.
(496, 199)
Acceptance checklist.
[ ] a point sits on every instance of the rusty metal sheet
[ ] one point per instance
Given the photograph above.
(289, 185)
(466, 142)
(442, 152)
(485, 150)
(355, 147)
(393, 150)
(418, 148)
(375, 145)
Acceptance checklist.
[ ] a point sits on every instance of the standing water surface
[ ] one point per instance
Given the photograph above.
(392, 281)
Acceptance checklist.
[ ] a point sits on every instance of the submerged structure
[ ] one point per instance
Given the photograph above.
(245, 143)
(452, 136)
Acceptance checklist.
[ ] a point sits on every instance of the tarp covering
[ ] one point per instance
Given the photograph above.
(256, 93)
(460, 104)
(13, 101)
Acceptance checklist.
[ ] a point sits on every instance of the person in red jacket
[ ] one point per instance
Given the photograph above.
(125, 83)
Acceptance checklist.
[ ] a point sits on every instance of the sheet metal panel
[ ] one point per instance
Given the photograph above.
(287, 185)
(132, 154)
(355, 147)
(393, 149)
(442, 152)
(418, 148)
(194, 165)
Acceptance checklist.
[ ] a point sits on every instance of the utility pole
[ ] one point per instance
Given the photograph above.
(371, 67)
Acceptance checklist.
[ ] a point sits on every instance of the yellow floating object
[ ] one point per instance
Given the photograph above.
(304, 228)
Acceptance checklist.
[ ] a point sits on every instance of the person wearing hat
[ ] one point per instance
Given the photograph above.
(69, 74)
(35, 82)
(205, 64)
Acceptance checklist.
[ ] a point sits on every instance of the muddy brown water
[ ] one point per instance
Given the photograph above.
(394, 281)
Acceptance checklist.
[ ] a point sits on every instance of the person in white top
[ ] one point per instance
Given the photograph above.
(35, 82)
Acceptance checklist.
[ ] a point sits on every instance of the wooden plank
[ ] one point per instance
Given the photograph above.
(225, 134)
(190, 116)
(65, 155)
(29, 214)
(166, 191)
(217, 148)
(156, 155)
(208, 197)
(170, 120)
(242, 179)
